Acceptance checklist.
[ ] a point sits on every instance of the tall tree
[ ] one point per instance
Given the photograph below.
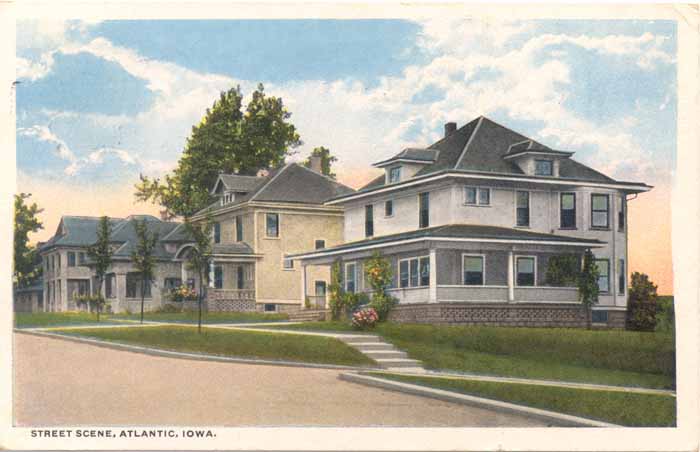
(142, 256)
(228, 140)
(326, 160)
(588, 285)
(199, 259)
(101, 254)
(25, 267)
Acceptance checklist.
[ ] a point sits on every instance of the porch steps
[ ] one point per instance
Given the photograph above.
(308, 315)
(383, 353)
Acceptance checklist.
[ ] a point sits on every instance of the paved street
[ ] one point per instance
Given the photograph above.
(65, 383)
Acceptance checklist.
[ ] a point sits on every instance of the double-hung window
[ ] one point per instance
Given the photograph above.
(522, 208)
(81, 259)
(600, 211)
(525, 271)
(71, 259)
(272, 225)
(544, 168)
(414, 272)
(603, 275)
(567, 209)
(477, 196)
(395, 174)
(217, 232)
(621, 213)
(218, 277)
(350, 277)
(369, 220)
(239, 228)
(473, 270)
(423, 210)
(621, 277)
(389, 208)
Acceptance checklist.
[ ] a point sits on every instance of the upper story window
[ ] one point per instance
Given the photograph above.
(423, 210)
(395, 174)
(239, 228)
(525, 271)
(58, 260)
(544, 168)
(567, 211)
(71, 259)
(369, 220)
(288, 264)
(81, 258)
(319, 244)
(621, 213)
(217, 233)
(389, 208)
(477, 196)
(350, 277)
(229, 197)
(600, 211)
(272, 225)
(522, 208)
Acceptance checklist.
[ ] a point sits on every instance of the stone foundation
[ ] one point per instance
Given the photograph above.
(500, 314)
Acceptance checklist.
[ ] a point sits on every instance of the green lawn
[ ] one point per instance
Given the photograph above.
(50, 319)
(207, 317)
(628, 409)
(222, 342)
(613, 357)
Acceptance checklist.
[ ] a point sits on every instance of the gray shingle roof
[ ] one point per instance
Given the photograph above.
(77, 231)
(126, 236)
(471, 231)
(291, 183)
(423, 155)
(480, 145)
(238, 183)
(232, 248)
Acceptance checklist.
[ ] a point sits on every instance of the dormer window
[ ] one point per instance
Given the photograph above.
(544, 167)
(395, 174)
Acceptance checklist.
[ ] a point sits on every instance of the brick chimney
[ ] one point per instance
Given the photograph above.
(316, 163)
(165, 215)
(450, 127)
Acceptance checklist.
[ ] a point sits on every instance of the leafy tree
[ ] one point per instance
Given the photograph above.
(142, 256)
(326, 160)
(101, 254)
(379, 273)
(335, 291)
(228, 140)
(562, 270)
(588, 285)
(199, 259)
(642, 303)
(26, 257)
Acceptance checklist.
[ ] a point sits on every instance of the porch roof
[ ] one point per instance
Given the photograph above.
(455, 233)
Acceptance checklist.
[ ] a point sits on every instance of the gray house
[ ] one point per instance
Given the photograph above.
(470, 222)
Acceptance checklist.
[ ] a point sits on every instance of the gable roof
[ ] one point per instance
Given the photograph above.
(237, 182)
(417, 155)
(291, 183)
(483, 146)
(77, 231)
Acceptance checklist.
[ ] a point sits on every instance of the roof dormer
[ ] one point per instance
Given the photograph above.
(229, 187)
(534, 159)
(406, 164)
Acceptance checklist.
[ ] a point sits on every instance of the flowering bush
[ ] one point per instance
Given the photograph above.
(182, 293)
(365, 318)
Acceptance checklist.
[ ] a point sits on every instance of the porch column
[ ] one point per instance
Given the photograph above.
(211, 274)
(303, 285)
(432, 288)
(183, 272)
(511, 278)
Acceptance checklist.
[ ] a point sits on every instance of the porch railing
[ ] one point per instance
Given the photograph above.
(231, 294)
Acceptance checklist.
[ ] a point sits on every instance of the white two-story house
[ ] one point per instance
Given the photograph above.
(470, 222)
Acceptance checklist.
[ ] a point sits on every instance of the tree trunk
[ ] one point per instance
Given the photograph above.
(143, 294)
(99, 298)
(589, 315)
(201, 293)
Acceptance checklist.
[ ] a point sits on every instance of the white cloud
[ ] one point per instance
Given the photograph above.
(43, 133)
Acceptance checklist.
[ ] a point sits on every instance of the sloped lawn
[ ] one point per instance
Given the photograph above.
(222, 342)
(614, 357)
(622, 408)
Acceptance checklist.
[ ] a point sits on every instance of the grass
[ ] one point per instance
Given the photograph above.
(622, 408)
(222, 342)
(612, 357)
(50, 319)
(207, 317)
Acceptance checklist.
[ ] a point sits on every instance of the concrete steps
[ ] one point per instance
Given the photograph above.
(308, 315)
(385, 354)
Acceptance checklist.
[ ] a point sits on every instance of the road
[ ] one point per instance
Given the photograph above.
(65, 383)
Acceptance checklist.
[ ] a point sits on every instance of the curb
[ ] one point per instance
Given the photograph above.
(557, 419)
(191, 356)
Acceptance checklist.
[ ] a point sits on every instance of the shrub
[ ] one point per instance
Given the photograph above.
(168, 309)
(642, 303)
(365, 318)
(335, 292)
(182, 293)
(588, 284)
(665, 315)
(362, 300)
(383, 304)
(563, 270)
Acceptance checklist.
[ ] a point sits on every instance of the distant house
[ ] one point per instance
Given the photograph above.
(257, 221)
(470, 223)
(29, 299)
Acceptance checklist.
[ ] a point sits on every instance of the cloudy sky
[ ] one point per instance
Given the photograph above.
(99, 103)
